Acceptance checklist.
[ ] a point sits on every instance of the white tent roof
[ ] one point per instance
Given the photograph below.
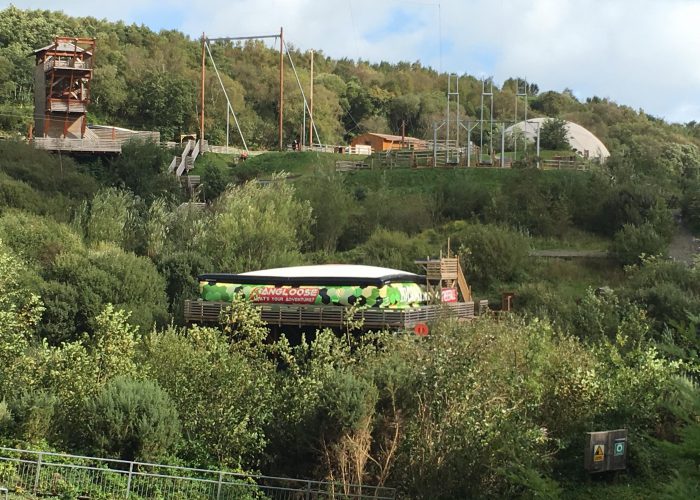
(334, 270)
(581, 139)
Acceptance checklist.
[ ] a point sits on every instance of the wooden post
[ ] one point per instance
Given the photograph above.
(201, 104)
(281, 84)
(311, 103)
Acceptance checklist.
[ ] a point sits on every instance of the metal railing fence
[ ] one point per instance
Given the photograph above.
(44, 474)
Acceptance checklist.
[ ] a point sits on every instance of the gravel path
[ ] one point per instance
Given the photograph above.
(569, 254)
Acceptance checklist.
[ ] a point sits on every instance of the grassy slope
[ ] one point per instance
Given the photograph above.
(570, 278)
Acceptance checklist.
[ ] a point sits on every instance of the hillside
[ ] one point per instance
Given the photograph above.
(98, 255)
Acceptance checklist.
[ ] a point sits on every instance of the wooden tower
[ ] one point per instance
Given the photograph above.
(62, 87)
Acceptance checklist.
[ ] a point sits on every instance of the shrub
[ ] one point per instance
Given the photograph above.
(107, 274)
(223, 397)
(490, 254)
(132, 420)
(38, 240)
(391, 249)
(632, 242)
(332, 209)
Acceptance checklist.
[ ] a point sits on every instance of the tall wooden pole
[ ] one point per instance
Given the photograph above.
(311, 103)
(281, 84)
(201, 104)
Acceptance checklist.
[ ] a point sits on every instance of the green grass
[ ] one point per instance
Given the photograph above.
(294, 162)
(624, 488)
(219, 160)
(572, 277)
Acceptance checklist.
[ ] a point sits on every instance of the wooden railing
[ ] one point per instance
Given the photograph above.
(334, 316)
(560, 164)
(183, 159)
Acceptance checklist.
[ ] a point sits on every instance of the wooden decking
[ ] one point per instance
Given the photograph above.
(77, 145)
(198, 311)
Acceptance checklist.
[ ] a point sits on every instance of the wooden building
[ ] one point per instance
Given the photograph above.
(387, 142)
(62, 87)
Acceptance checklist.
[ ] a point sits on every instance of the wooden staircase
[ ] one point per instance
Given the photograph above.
(446, 272)
(181, 165)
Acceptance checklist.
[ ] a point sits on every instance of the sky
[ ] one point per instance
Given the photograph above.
(641, 53)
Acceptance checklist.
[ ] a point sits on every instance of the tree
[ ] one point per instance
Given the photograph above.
(164, 101)
(324, 192)
(554, 135)
(256, 226)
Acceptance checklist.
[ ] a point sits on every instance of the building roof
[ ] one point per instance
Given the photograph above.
(394, 138)
(326, 274)
(61, 47)
(580, 138)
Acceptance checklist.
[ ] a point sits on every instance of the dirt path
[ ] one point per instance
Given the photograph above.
(684, 246)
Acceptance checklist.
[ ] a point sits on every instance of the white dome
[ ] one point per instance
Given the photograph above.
(582, 140)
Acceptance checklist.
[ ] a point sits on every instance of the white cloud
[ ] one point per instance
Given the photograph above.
(637, 52)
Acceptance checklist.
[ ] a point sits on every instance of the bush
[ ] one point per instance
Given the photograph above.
(142, 169)
(391, 249)
(107, 274)
(632, 242)
(38, 240)
(490, 254)
(332, 209)
(132, 420)
(180, 270)
(214, 181)
(50, 174)
(223, 397)
(691, 207)
(635, 204)
(18, 194)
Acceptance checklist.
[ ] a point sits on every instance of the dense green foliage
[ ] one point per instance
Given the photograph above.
(132, 420)
(97, 257)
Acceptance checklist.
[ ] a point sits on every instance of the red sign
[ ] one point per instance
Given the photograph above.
(421, 329)
(448, 295)
(273, 295)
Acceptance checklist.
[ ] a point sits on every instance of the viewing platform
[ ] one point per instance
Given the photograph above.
(77, 145)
